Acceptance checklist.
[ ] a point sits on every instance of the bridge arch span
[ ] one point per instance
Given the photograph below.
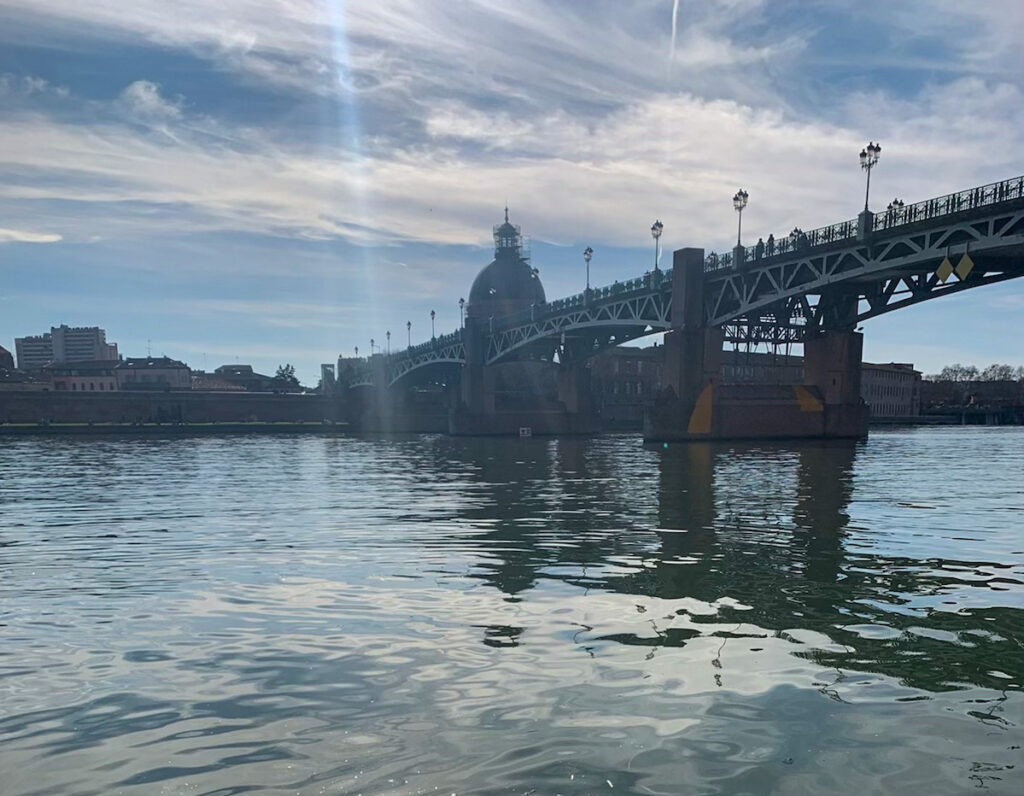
(621, 317)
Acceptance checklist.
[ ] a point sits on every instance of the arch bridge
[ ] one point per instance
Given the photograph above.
(802, 284)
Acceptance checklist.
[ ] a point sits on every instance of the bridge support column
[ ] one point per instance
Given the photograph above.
(865, 223)
(693, 355)
(476, 389)
(832, 361)
(476, 386)
(527, 397)
(574, 389)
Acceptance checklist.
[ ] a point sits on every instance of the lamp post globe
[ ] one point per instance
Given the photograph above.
(656, 229)
(869, 156)
(739, 201)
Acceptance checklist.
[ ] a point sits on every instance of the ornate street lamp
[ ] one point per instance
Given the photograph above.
(739, 201)
(387, 334)
(432, 314)
(462, 312)
(408, 332)
(869, 156)
(656, 229)
(371, 346)
(587, 254)
(357, 352)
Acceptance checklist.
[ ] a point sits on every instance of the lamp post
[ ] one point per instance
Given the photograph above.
(408, 332)
(587, 254)
(387, 334)
(432, 314)
(357, 352)
(739, 201)
(462, 312)
(656, 229)
(869, 156)
(371, 346)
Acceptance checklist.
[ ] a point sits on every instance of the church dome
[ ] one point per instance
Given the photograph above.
(509, 283)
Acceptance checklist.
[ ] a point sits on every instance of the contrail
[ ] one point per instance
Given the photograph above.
(675, 16)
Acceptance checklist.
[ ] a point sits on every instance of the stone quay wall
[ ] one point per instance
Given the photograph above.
(167, 407)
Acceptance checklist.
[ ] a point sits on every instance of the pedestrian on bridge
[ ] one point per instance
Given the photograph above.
(771, 245)
(759, 249)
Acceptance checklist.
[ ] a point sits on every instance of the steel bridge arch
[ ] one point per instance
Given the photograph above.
(898, 260)
(631, 315)
(448, 350)
(909, 254)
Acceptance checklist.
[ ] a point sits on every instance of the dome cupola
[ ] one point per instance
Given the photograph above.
(509, 283)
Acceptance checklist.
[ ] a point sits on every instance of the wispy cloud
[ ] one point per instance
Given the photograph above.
(142, 99)
(24, 236)
(318, 140)
(666, 156)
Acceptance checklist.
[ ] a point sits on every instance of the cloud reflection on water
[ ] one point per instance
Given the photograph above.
(387, 616)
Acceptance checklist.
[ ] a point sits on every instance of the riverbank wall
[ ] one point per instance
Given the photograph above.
(35, 407)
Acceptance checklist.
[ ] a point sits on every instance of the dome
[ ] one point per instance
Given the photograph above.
(509, 283)
(506, 281)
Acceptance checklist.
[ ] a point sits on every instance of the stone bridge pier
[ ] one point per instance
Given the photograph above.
(532, 397)
(694, 404)
(382, 409)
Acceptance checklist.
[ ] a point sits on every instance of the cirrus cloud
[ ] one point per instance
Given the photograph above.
(24, 236)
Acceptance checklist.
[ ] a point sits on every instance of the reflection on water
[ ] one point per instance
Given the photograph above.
(426, 614)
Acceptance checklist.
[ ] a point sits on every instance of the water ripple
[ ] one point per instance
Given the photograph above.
(424, 614)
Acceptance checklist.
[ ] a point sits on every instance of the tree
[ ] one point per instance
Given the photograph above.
(286, 374)
(998, 373)
(965, 373)
(957, 372)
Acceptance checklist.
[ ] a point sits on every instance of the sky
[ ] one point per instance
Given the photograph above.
(271, 181)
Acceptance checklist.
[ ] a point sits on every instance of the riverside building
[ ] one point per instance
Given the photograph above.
(64, 344)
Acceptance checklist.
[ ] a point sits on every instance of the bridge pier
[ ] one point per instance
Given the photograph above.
(693, 357)
(574, 391)
(379, 408)
(477, 382)
(503, 399)
(832, 361)
(694, 404)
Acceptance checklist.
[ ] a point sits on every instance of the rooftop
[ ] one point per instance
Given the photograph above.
(153, 363)
(87, 365)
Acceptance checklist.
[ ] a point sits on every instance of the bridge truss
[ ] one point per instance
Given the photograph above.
(594, 324)
(831, 278)
(449, 350)
(839, 285)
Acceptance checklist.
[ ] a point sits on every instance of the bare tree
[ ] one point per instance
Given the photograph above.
(957, 372)
(996, 372)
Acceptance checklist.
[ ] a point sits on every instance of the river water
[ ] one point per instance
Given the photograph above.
(422, 614)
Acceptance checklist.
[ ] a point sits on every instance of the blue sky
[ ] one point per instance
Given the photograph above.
(280, 181)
